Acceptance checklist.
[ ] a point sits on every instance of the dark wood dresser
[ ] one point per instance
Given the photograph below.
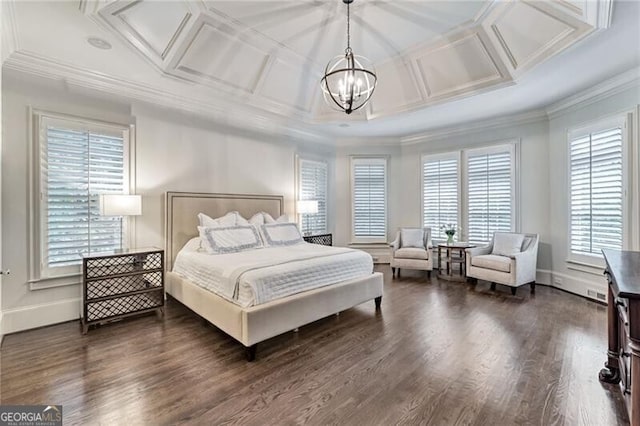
(623, 317)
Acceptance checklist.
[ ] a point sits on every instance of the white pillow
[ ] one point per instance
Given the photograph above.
(230, 219)
(230, 239)
(412, 237)
(261, 218)
(280, 234)
(507, 244)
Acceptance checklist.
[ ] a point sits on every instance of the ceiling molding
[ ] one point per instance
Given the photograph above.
(476, 126)
(620, 83)
(239, 116)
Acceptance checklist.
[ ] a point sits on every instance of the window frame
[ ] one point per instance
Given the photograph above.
(512, 148)
(299, 161)
(594, 260)
(40, 275)
(513, 145)
(451, 155)
(384, 160)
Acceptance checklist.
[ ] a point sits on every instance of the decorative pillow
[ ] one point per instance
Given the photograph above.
(412, 237)
(280, 234)
(230, 239)
(507, 244)
(230, 219)
(261, 218)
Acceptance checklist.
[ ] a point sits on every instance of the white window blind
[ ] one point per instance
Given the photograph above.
(77, 163)
(313, 186)
(369, 198)
(596, 191)
(489, 193)
(440, 193)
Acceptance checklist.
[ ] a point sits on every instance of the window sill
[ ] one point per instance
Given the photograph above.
(53, 282)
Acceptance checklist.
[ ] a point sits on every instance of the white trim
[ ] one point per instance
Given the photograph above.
(28, 317)
(371, 159)
(53, 282)
(476, 126)
(578, 285)
(543, 276)
(620, 83)
(457, 155)
(575, 260)
(41, 277)
(587, 267)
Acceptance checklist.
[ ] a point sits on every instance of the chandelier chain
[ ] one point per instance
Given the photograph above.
(348, 30)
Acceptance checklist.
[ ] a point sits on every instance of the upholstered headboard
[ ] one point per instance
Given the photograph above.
(182, 208)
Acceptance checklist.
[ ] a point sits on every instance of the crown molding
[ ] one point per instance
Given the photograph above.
(238, 116)
(610, 87)
(531, 116)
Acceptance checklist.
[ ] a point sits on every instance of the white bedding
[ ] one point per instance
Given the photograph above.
(258, 276)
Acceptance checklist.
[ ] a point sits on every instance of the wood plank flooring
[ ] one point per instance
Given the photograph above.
(438, 353)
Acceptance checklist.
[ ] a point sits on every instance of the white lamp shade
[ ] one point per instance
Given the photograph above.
(307, 206)
(120, 205)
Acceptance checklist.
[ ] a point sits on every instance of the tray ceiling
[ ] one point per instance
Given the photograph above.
(268, 56)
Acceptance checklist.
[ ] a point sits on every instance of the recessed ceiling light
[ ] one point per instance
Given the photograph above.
(99, 43)
(343, 125)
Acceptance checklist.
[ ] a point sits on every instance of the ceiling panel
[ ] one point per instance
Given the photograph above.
(458, 66)
(288, 86)
(154, 24)
(397, 88)
(218, 56)
(526, 32)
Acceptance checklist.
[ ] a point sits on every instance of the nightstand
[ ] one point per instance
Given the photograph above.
(322, 239)
(119, 284)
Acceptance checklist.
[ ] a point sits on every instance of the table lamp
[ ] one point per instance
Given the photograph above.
(307, 207)
(120, 205)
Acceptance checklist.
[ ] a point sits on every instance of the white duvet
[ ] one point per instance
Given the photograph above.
(258, 276)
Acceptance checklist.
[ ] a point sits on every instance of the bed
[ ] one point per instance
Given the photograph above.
(255, 321)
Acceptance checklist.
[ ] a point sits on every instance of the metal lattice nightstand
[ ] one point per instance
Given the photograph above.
(118, 285)
(323, 239)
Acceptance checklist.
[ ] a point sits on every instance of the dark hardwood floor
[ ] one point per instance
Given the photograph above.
(438, 353)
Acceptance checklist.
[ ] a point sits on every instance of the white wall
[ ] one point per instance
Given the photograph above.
(576, 278)
(174, 152)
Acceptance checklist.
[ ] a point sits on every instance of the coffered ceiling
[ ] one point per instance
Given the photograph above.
(265, 58)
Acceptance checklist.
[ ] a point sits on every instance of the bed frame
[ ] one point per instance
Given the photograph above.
(256, 323)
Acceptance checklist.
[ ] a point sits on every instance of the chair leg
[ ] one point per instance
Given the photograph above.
(398, 272)
(378, 301)
(250, 352)
(393, 272)
(513, 290)
(493, 286)
(429, 274)
(533, 287)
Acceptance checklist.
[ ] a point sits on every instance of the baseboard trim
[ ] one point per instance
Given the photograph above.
(577, 285)
(34, 316)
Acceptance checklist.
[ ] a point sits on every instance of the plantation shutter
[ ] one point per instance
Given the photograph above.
(596, 191)
(369, 198)
(313, 186)
(489, 194)
(439, 194)
(78, 164)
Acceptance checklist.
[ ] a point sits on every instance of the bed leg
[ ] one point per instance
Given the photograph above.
(378, 301)
(250, 352)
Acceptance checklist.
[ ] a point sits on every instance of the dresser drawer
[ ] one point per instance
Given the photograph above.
(122, 264)
(113, 286)
(124, 305)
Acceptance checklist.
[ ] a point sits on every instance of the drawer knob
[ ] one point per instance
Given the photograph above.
(625, 354)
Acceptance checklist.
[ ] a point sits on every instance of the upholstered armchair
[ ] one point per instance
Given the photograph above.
(510, 260)
(412, 250)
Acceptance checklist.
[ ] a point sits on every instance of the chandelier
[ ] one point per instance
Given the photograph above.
(349, 80)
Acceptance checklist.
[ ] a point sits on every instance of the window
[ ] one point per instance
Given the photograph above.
(596, 188)
(312, 185)
(482, 203)
(369, 199)
(489, 192)
(440, 176)
(78, 160)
